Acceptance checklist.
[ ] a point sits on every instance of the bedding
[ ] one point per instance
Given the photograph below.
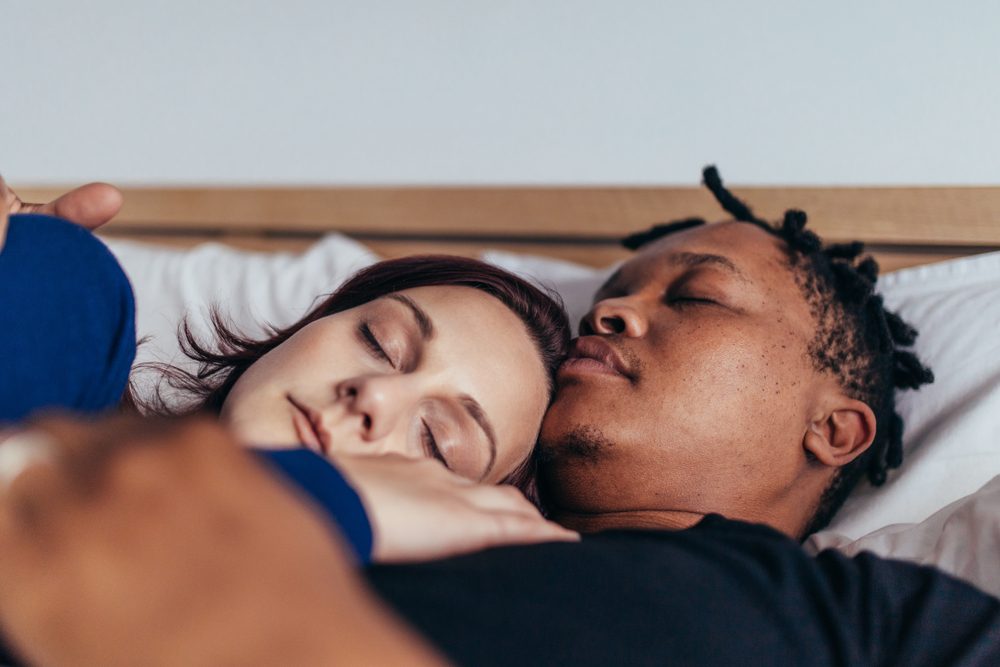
(251, 289)
(952, 436)
(962, 538)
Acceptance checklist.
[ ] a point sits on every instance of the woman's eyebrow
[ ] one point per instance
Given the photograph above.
(424, 322)
(478, 415)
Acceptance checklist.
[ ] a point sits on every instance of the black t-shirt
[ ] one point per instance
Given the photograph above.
(720, 593)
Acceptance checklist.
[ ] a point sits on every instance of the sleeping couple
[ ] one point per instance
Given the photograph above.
(731, 384)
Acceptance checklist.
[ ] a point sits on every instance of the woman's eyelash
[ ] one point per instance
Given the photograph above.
(371, 342)
(430, 444)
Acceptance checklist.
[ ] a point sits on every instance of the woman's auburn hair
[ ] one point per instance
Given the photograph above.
(223, 362)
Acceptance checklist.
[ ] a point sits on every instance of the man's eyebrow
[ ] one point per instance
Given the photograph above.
(424, 322)
(478, 415)
(693, 260)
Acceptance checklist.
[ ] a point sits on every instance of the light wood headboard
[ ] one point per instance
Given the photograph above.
(902, 226)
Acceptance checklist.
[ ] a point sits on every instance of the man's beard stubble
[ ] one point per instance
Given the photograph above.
(582, 443)
(583, 446)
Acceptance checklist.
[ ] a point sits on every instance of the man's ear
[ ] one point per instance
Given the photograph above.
(841, 434)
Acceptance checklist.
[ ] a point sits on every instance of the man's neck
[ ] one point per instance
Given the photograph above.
(593, 522)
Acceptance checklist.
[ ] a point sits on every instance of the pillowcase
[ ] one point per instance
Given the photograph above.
(251, 289)
(573, 283)
(963, 539)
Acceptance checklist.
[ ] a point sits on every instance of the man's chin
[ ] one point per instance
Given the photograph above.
(579, 442)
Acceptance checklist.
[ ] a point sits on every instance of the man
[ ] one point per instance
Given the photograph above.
(726, 370)
(756, 370)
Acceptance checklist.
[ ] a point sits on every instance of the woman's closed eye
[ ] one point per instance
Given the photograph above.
(370, 341)
(430, 443)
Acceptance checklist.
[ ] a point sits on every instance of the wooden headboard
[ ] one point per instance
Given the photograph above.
(903, 226)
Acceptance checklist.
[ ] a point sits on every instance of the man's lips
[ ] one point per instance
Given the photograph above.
(308, 427)
(593, 355)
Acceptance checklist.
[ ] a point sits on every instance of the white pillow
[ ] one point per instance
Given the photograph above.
(962, 539)
(250, 288)
(574, 283)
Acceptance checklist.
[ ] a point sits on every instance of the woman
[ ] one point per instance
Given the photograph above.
(430, 357)
(436, 356)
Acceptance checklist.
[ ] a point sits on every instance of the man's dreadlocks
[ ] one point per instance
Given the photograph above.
(857, 339)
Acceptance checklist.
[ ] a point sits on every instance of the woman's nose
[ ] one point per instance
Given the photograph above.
(614, 316)
(379, 401)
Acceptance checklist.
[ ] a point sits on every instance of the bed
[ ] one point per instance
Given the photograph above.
(266, 253)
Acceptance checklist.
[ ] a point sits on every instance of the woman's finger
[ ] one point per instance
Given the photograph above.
(515, 528)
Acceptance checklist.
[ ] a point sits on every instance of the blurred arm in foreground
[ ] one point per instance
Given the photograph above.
(126, 541)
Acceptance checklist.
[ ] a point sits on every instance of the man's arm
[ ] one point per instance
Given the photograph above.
(137, 542)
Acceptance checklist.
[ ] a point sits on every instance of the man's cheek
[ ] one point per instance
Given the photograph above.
(709, 368)
(724, 381)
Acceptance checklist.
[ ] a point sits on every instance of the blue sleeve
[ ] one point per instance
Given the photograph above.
(326, 487)
(67, 320)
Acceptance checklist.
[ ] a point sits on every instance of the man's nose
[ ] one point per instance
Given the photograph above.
(380, 401)
(614, 316)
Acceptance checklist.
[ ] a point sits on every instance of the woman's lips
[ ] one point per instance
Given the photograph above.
(307, 427)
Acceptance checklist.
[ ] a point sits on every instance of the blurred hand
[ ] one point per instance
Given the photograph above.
(419, 510)
(129, 541)
(89, 206)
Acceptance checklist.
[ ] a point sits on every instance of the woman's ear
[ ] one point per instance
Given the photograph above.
(842, 434)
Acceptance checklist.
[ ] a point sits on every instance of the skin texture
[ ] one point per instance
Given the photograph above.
(725, 411)
(411, 401)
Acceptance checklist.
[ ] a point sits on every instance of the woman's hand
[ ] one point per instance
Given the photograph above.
(89, 206)
(419, 510)
(142, 542)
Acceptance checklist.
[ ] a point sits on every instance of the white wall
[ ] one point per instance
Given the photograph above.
(496, 91)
